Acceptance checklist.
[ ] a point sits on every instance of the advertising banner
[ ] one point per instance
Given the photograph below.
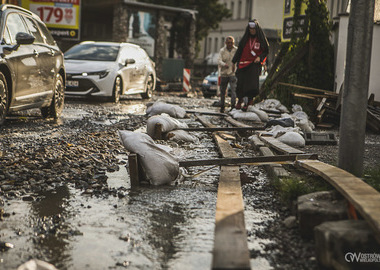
(62, 17)
(288, 20)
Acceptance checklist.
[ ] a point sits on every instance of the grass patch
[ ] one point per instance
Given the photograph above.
(290, 188)
(372, 177)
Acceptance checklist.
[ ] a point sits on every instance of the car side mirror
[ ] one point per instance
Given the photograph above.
(129, 61)
(24, 38)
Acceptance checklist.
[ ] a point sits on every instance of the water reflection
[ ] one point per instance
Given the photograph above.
(50, 227)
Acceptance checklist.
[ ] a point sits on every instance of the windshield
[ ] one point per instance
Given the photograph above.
(93, 52)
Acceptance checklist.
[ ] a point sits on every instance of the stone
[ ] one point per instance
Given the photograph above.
(346, 244)
(316, 208)
(290, 222)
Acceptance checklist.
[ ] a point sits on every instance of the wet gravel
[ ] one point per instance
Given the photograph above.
(38, 155)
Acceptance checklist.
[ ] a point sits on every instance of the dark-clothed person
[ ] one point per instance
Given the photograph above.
(251, 53)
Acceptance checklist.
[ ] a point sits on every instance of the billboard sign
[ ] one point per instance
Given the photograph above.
(289, 19)
(62, 17)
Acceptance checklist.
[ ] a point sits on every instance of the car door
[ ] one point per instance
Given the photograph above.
(128, 70)
(22, 63)
(45, 60)
(141, 68)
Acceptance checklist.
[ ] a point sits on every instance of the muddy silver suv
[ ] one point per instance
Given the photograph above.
(32, 73)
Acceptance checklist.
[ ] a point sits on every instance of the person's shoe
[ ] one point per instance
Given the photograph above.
(221, 109)
(245, 107)
(238, 106)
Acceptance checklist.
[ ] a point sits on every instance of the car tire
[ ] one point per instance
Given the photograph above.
(54, 110)
(116, 92)
(148, 91)
(3, 98)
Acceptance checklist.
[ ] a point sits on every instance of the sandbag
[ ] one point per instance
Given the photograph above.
(160, 107)
(181, 135)
(292, 138)
(167, 123)
(261, 114)
(35, 264)
(249, 116)
(160, 167)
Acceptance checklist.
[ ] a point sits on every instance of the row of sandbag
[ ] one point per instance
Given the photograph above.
(159, 165)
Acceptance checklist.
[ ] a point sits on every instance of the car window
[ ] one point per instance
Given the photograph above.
(15, 25)
(46, 34)
(127, 53)
(33, 29)
(93, 52)
(6, 36)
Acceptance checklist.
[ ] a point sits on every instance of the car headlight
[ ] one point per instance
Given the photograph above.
(205, 81)
(102, 74)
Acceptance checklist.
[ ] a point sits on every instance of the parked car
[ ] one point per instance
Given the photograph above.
(109, 69)
(210, 83)
(32, 73)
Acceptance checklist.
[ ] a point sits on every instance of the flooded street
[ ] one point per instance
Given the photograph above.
(67, 199)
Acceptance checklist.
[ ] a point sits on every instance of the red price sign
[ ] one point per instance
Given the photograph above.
(55, 15)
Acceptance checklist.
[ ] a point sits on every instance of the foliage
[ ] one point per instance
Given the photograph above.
(372, 177)
(315, 69)
(290, 188)
(210, 14)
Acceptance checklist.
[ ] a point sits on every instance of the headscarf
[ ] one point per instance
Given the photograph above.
(261, 37)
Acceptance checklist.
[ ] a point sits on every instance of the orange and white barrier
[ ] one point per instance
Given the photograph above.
(186, 79)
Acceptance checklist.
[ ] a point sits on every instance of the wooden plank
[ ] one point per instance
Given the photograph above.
(362, 196)
(326, 92)
(274, 170)
(235, 122)
(230, 242)
(207, 113)
(280, 146)
(303, 96)
(133, 170)
(321, 104)
(257, 143)
(247, 160)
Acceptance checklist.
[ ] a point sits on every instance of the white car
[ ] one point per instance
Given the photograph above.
(109, 69)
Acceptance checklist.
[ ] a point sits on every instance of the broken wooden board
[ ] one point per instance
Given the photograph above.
(279, 146)
(362, 196)
(274, 170)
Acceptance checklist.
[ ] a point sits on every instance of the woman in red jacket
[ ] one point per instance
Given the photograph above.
(251, 53)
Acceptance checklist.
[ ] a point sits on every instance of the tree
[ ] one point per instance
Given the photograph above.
(210, 14)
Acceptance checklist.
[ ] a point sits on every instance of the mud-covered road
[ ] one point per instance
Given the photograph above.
(65, 197)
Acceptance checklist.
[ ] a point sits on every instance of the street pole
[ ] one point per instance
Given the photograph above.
(355, 90)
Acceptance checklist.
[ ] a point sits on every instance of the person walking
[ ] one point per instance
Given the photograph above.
(250, 55)
(227, 72)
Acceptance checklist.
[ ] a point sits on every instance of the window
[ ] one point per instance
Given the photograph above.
(239, 10)
(15, 25)
(233, 9)
(247, 8)
(33, 29)
(216, 48)
(46, 34)
(209, 45)
(6, 37)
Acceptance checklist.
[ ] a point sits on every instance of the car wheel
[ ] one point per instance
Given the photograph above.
(3, 98)
(148, 93)
(56, 107)
(116, 92)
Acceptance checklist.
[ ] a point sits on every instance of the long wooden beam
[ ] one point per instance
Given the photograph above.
(259, 160)
(230, 241)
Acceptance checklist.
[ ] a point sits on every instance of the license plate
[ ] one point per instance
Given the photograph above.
(213, 87)
(72, 83)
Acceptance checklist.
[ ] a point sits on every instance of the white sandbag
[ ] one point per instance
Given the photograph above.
(181, 135)
(36, 264)
(304, 124)
(249, 116)
(296, 108)
(261, 114)
(282, 109)
(276, 130)
(160, 167)
(168, 123)
(292, 138)
(300, 115)
(160, 107)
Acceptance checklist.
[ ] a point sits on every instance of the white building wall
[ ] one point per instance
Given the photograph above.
(374, 78)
